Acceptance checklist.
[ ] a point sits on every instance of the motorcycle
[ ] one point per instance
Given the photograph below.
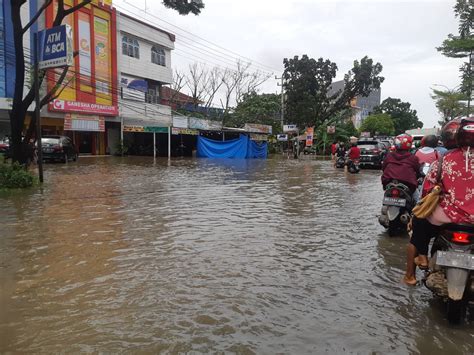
(340, 162)
(396, 209)
(353, 166)
(450, 275)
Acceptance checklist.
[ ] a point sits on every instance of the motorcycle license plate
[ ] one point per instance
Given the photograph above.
(453, 259)
(394, 201)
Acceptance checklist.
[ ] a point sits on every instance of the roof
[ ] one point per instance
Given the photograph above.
(171, 36)
(168, 93)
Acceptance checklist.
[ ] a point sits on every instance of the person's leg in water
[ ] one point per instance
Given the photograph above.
(423, 231)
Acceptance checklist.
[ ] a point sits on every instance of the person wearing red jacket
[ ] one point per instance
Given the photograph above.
(401, 165)
(354, 152)
(456, 202)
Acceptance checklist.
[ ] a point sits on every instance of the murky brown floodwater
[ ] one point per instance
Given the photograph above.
(275, 256)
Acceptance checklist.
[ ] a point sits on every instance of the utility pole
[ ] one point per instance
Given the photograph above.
(282, 108)
(37, 109)
(282, 113)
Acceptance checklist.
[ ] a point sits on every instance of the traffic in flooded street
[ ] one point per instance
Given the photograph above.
(205, 255)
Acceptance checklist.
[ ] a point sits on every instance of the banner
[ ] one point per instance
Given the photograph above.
(204, 125)
(309, 136)
(258, 128)
(180, 122)
(282, 137)
(73, 122)
(191, 132)
(85, 56)
(82, 107)
(132, 88)
(258, 137)
(290, 128)
(102, 56)
(331, 129)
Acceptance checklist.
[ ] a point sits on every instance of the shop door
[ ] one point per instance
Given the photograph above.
(85, 143)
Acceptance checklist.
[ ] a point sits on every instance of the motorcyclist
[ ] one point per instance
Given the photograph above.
(427, 153)
(401, 165)
(354, 152)
(341, 150)
(456, 202)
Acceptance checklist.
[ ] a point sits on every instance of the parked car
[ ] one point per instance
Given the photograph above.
(372, 153)
(310, 150)
(5, 147)
(58, 148)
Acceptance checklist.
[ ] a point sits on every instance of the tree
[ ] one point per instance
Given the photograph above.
(449, 104)
(255, 108)
(403, 116)
(462, 45)
(185, 7)
(311, 98)
(378, 124)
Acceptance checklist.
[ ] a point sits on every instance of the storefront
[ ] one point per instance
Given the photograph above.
(88, 94)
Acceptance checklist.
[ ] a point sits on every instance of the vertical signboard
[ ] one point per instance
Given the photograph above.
(85, 56)
(102, 56)
(309, 136)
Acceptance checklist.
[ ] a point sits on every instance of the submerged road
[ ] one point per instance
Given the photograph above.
(275, 256)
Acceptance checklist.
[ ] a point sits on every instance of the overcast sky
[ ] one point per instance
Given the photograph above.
(401, 35)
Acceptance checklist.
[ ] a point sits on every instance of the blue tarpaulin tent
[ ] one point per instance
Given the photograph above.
(240, 148)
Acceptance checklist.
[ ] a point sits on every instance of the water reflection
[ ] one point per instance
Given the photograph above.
(130, 254)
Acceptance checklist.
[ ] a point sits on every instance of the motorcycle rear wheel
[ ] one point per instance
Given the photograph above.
(456, 311)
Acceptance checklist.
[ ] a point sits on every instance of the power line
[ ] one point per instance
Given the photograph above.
(192, 34)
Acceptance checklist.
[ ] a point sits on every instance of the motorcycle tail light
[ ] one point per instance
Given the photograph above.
(459, 237)
(395, 193)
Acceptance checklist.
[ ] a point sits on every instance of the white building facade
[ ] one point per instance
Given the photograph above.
(144, 66)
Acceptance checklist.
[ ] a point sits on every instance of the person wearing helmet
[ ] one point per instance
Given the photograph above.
(456, 202)
(427, 153)
(401, 165)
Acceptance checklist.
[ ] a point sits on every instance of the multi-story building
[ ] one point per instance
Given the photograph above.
(361, 106)
(87, 105)
(144, 62)
(7, 60)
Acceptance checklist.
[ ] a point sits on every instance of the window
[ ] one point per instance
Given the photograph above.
(158, 55)
(130, 47)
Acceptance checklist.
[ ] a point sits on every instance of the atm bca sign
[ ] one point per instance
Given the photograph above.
(55, 47)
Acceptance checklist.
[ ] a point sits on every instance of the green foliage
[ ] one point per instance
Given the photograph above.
(15, 176)
(122, 147)
(449, 104)
(344, 130)
(255, 108)
(185, 7)
(378, 124)
(403, 116)
(462, 45)
(310, 98)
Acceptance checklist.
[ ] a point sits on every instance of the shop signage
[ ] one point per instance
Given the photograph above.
(180, 122)
(73, 122)
(290, 128)
(309, 136)
(147, 129)
(258, 137)
(205, 125)
(282, 137)
(156, 129)
(258, 128)
(83, 107)
(365, 134)
(192, 132)
(55, 47)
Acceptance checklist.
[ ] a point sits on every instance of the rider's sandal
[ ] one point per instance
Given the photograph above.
(408, 282)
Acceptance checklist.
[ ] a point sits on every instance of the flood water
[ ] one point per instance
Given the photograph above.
(277, 256)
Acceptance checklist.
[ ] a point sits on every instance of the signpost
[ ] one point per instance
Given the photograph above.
(52, 49)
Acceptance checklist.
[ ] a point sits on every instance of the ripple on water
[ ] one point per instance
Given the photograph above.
(276, 256)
